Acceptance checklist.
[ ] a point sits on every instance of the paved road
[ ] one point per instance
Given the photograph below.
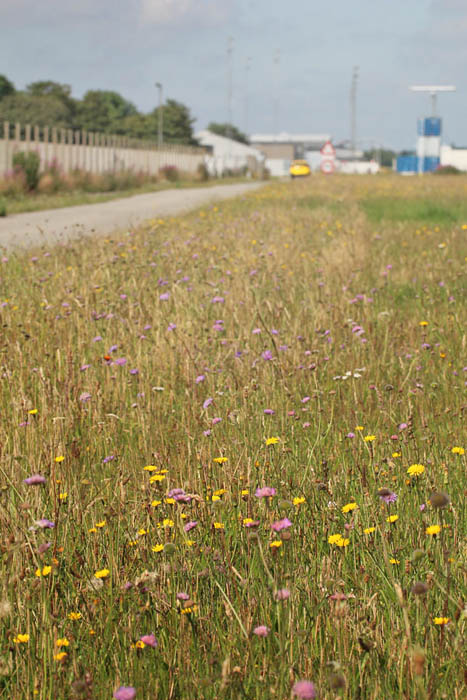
(54, 225)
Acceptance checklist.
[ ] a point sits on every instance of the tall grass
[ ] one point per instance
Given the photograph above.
(165, 381)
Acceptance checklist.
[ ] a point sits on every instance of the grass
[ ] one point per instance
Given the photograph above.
(41, 202)
(158, 379)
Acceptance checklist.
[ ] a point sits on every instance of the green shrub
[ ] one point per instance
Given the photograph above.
(447, 170)
(29, 164)
(202, 172)
(3, 210)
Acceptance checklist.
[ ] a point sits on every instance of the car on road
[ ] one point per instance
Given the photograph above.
(299, 168)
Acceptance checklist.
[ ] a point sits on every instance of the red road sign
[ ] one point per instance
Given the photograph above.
(328, 150)
(327, 166)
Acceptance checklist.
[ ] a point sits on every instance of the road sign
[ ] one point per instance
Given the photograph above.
(328, 150)
(327, 166)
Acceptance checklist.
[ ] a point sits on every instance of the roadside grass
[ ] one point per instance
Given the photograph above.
(41, 202)
(215, 403)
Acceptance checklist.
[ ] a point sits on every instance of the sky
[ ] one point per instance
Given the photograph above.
(300, 53)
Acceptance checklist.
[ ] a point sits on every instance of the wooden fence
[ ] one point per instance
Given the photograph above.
(93, 152)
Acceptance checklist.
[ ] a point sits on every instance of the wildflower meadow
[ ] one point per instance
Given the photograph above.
(232, 451)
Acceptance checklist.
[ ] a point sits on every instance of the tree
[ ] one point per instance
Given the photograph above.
(57, 91)
(34, 110)
(229, 131)
(177, 123)
(386, 156)
(6, 87)
(103, 110)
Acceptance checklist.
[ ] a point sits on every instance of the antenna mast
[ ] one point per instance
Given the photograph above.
(353, 111)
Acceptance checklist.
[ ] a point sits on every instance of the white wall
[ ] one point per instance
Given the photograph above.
(358, 167)
(454, 156)
(227, 154)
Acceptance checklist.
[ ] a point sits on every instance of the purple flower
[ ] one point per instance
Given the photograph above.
(306, 399)
(253, 523)
(147, 327)
(190, 525)
(255, 331)
(35, 479)
(97, 338)
(110, 458)
(216, 420)
(164, 297)
(282, 594)
(402, 426)
(120, 361)
(113, 348)
(84, 367)
(206, 433)
(123, 296)
(281, 525)
(125, 692)
(350, 435)
(266, 355)
(217, 300)
(134, 371)
(85, 396)
(269, 411)
(304, 689)
(44, 523)
(44, 547)
(207, 402)
(200, 378)
(171, 327)
(179, 495)
(387, 496)
(261, 631)
(265, 492)
(149, 639)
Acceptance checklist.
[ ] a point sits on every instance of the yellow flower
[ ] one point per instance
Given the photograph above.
(21, 639)
(272, 440)
(158, 548)
(343, 542)
(423, 323)
(220, 460)
(396, 454)
(247, 521)
(45, 571)
(60, 458)
(102, 573)
(441, 620)
(169, 501)
(32, 412)
(276, 544)
(369, 530)
(392, 518)
(63, 496)
(190, 543)
(369, 438)
(433, 529)
(92, 529)
(60, 656)
(139, 644)
(298, 500)
(219, 492)
(154, 504)
(348, 507)
(216, 498)
(394, 561)
(167, 522)
(74, 616)
(156, 477)
(359, 427)
(244, 492)
(458, 451)
(415, 469)
(102, 523)
(62, 642)
(150, 468)
(219, 526)
(142, 532)
(334, 539)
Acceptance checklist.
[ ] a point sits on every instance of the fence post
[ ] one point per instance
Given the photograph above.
(54, 143)
(27, 137)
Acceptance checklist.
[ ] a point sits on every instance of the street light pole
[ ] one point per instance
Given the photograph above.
(160, 116)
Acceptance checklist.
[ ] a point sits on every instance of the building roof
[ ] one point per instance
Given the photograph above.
(208, 138)
(285, 137)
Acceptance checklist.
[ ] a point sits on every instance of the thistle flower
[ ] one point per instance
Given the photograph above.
(125, 692)
(261, 631)
(35, 480)
(265, 492)
(304, 690)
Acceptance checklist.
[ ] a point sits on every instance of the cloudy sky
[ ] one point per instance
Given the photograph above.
(128, 45)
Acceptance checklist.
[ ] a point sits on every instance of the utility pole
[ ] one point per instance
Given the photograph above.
(353, 111)
(160, 116)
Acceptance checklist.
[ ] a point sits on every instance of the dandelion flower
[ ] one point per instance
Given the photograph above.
(392, 518)
(272, 440)
(45, 571)
(441, 620)
(219, 526)
(415, 469)
(158, 548)
(433, 529)
(74, 616)
(62, 642)
(60, 656)
(276, 544)
(102, 573)
(348, 507)
(369, 438)
(458, 451)
(369, 530)
(21, 639)
(220, 460)
(59, 459)
(394, 561)
(298, 500)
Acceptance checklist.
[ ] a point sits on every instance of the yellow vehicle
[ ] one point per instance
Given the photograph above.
(299, 168)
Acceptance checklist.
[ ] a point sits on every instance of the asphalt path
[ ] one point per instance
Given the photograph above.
(61, 225)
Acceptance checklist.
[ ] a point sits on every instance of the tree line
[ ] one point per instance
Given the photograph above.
(48, 103)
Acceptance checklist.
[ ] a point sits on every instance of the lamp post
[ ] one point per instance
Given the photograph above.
(160, 115)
